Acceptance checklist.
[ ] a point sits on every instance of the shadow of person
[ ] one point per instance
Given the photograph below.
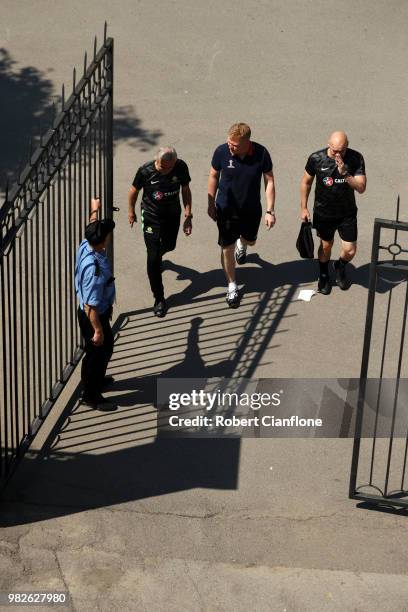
(387, 279)
(297, 273)
(57, 482)
(264, 276)
(260, 277)
(274, 286)
(190, 368)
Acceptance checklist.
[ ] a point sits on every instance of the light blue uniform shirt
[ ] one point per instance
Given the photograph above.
(94, 283)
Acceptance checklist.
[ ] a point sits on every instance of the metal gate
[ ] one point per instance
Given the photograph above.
(378, 471)
(42, 222)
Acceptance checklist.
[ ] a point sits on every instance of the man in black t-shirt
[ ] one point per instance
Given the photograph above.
(161, 180)
(339, 172)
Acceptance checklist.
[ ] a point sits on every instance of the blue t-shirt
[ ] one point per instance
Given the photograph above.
(94, 283)
(239, 187)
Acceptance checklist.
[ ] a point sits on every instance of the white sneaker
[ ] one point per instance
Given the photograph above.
(233, 298)
(240, 252)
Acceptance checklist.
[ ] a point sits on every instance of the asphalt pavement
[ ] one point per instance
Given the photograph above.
(105, 507)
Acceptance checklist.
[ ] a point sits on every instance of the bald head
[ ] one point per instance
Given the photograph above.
(338, 143)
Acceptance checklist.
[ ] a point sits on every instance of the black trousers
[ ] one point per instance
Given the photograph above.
(160, 238)
(96, 358)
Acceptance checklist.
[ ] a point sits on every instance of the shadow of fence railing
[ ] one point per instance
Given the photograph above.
(93, 459)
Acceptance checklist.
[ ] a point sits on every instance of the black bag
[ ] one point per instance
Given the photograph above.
(304, 243)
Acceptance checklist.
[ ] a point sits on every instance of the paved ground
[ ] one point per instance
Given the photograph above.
(127, 520)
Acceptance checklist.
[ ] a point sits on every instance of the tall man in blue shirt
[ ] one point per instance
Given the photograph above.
(234, 198)
(95, 288)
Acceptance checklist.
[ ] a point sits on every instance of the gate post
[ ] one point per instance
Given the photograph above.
(369, 488)
(109, 148)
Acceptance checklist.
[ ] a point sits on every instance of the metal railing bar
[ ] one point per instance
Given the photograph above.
(394, 410)
(59, 275)
(365, 357)
(387, 321)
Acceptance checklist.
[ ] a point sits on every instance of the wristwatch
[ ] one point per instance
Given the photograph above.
(270, 212)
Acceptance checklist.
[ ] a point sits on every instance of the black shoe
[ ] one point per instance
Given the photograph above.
(324, 284)
(160, 308)
(108, 381)
(341, 279)
(99, 403)
(233, 298)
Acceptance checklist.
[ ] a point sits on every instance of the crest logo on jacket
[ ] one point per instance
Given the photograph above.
(328, 181)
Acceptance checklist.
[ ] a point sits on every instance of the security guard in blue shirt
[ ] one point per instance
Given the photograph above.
(95, 288)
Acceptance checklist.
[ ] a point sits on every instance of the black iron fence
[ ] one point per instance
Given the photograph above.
(41, 223)
(379, 464)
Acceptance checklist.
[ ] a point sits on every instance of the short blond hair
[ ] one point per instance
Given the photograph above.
(240, 130)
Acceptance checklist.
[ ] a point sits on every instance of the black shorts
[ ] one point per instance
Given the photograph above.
(327, 226)
(232, 227)
(161, 233)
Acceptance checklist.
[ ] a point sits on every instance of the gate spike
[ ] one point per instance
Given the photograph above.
(85, 62)
(95, 48)
(105, 28)
(63, 98)
(74, 79)
(397, 219)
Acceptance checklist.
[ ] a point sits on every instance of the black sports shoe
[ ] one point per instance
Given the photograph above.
(99, 403)
(341, 279)
(233, 298)
(160, 308)
(324, 284)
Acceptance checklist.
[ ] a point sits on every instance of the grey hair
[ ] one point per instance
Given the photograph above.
(166, 153)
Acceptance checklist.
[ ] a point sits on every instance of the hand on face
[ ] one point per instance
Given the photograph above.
(340, 163)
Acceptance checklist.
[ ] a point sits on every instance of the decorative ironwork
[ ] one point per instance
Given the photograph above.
(41, 223)
(379, 463)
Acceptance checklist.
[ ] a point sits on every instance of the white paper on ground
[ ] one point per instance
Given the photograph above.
(306, 294)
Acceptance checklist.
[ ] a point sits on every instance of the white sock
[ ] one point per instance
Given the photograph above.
(240, 245)
(232, 287)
